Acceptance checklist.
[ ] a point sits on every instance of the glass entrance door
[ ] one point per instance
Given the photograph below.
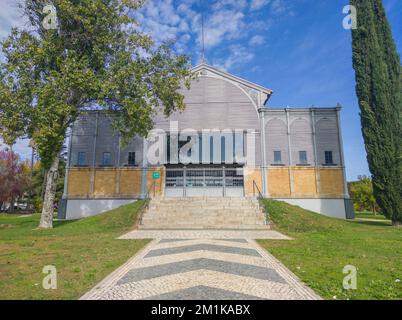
(204, 182)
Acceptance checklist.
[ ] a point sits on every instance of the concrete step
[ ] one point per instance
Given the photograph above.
(204, 213)
(203, 207)
(242, 219)
(193, 218)
(205, 227)
(218, 202)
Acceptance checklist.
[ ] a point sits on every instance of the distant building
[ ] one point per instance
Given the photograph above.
(2, 145)
(226, 143)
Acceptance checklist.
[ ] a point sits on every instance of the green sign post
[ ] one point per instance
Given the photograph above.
(156, 175)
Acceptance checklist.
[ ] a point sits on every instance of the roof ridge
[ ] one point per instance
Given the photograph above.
(232, 77)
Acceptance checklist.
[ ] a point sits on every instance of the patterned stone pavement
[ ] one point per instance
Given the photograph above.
(201, 269)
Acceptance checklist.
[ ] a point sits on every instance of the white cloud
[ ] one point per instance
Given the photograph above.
(278, 7)
(186, 10)
(258, 4)
(223, 25)
(232, 4)
(257, 40)
(166, 20)
(238, 55)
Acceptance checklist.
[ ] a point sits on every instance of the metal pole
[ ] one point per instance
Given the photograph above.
(203, 38)
(184, 181)
(291, 179)
(224, 181)
(92, 182)
(68, 164)
(118, 173)
(345, 183)
(317, 176)
(144, 180)
(264, 155)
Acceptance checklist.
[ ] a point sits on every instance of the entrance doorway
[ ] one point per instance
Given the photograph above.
(204, 182)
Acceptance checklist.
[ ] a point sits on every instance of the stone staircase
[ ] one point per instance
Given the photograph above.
(204, 213)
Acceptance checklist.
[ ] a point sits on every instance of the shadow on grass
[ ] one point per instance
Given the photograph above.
(61, 223)
(379, 223)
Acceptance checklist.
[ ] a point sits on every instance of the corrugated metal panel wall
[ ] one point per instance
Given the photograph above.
(301, 135)
(215, 104)
(301, 139)
(106, 141)
(327, 138)
(276, 140)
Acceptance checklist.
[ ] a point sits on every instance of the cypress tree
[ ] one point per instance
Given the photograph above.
(378, 86)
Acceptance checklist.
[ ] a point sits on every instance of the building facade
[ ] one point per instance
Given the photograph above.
(227, 143)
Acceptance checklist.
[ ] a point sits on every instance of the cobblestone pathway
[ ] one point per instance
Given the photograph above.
(225, 269)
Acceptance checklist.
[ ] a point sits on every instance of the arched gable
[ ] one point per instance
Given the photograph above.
(214, 103)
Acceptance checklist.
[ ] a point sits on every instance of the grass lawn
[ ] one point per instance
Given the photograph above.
(323, 246)
(83, 252)
(370, 215)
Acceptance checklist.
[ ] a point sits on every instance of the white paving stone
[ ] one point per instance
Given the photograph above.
(205, 234)
(121, 285)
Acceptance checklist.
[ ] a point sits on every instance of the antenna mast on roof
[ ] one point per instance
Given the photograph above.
(203, 38)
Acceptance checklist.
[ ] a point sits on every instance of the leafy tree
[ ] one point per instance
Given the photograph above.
(14, 178)
(379, 86)
(362, 194)
(95, 59)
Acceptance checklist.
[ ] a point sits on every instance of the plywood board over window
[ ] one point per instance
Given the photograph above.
(304, 182)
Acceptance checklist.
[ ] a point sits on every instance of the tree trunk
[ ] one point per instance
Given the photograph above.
(46, 221)
(11, 209)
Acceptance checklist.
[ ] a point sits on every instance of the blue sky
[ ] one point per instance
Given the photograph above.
(298, 48)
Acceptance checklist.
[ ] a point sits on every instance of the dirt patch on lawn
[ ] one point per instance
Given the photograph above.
(7, 226)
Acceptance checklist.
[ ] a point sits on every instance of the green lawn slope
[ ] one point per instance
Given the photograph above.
(322, 246)
(83, 252)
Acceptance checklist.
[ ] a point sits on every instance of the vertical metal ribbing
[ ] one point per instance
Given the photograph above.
(93, 173)
(144, 179)
(224, 180)
(317, 167)
(265, 191)
(291, 178)
(341, 152)
(68, 164)
(185, 181)
(118, 171)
